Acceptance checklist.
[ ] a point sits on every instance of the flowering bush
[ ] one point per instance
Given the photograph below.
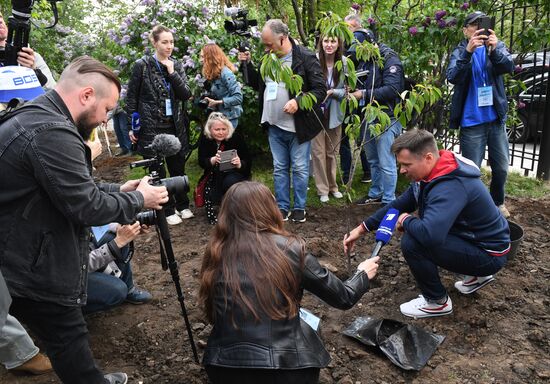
(193, 25)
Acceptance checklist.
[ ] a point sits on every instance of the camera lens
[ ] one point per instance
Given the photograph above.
(177, 185)
(147, 218)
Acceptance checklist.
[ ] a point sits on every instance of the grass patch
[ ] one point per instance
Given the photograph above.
(518, 185)
(262, 171)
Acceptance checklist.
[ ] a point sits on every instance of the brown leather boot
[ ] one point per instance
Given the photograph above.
(38, 365)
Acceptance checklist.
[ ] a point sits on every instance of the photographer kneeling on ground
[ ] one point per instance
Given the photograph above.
(110, 281)
(252, 280)
(457, 227)
(219, 136)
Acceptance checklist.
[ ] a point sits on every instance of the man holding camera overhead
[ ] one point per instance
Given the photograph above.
(48, 201)
(479, 106)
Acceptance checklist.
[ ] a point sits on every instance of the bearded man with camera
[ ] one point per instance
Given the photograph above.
(479, 105)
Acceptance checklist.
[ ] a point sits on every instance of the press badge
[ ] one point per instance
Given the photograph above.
(484, 96)
(168, 107)
(271, 91)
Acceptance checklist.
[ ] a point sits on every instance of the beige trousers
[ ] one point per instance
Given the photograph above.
(324, 152)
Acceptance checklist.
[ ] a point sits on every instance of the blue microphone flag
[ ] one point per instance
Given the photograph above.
(136, 124)
(385, 230)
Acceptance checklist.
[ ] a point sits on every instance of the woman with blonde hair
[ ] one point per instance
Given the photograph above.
(219, 137)
(252, 280)
(225, 92)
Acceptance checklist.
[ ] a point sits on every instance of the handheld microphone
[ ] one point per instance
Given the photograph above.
(165, 145)
(136, 127)
(385, 230)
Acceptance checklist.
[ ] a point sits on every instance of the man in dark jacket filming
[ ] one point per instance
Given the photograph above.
(479, 105)
(290, 129)
(48, 201)
(457, 227)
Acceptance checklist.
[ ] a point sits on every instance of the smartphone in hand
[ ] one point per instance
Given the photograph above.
(485, 23)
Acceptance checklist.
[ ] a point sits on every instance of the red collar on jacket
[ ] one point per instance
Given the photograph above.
(445, 165)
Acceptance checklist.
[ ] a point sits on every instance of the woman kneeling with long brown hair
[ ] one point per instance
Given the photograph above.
(252, 280)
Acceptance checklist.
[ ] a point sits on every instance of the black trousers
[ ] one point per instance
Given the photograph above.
(222, 375)
(65, 335)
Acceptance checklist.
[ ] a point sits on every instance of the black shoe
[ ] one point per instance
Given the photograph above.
(368, 200)
(285, 214)
(299, 216)
(366, 178)
(117, 378)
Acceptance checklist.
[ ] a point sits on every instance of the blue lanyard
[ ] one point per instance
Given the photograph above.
(166, 84)
(479, 61)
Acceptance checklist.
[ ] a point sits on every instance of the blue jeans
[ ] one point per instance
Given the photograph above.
(383, 166)
(106, 291)
(120, 124)
(16, 346)
(455, 255)
(493, 135)
(289, 155)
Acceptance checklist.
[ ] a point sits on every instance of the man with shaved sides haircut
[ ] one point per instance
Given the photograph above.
(48, 201)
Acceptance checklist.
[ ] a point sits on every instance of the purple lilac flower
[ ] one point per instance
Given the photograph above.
(413, 31)
(356, 6)
(473, 1)
(125, 40)
(147, 2)
(427, 21)
(440, 14)
(518, 69)
(186, 38)
(144, 20)
(465, 6)
(144, 35)
(233, 52)
(176, 49)
(371, 21)
(452, 22)
(441, 23)
(204, 11)
(521, 105)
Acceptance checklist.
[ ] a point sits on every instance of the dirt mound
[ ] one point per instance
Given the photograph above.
(500, 334)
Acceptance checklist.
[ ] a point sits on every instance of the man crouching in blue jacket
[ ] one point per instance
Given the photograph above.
(457, 226)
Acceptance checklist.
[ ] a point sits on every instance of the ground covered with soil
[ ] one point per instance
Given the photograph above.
(500, 334)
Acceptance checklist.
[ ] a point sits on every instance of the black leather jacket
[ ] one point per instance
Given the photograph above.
(147, 94)
(281, 344)
(48, 200)
(306, 64)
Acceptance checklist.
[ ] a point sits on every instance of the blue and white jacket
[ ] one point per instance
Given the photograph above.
(227, 88)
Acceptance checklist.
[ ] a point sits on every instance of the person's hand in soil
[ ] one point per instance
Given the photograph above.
(130, 185)
(369, 266)
(349, 240)
(153, 196)
(127, 233)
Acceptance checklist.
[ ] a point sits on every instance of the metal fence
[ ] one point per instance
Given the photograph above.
(528, 125)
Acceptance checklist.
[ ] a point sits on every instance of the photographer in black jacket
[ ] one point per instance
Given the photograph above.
(48, 201)
(290, 128)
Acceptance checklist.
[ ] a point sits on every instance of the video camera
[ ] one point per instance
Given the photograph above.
(19, 29)
(239, 22)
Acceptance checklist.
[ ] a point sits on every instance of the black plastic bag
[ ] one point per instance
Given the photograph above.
(407, 346)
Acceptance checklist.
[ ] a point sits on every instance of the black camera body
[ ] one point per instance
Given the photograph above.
(239, 23)
(177, 185)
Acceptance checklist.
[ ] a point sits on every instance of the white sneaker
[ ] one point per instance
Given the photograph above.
(323, 198)
(502, 208)
(186, 214)
(337, 195)
(174, 219)
(420, 307)
(470, 284)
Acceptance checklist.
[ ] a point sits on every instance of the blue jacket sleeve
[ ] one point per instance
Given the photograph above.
(460, 65)
(392, 82)
(502, 59)
(234, 96)
(444, 203)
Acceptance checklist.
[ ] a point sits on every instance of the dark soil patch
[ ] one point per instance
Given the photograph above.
(499, 335)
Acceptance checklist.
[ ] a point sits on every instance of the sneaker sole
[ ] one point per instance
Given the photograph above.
(423, 316)
(476, 287)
